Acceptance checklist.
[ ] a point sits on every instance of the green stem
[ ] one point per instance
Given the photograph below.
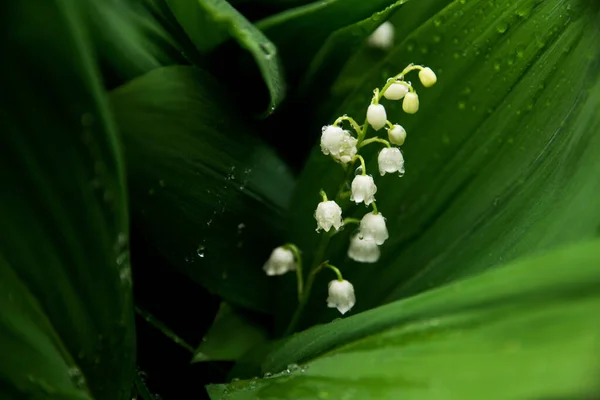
(163, 328)
(334, 269)
(299, 276)
(373, 140)
(309, 282)
(323, 195)
(355, 126)
(374, 208)
(351, 221)
(362, 163)
(401, 75)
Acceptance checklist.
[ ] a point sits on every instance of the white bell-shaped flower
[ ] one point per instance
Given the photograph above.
(390, 160)
(363, 189)
(383, 36)
(376, 116)
(339, 143)
(363, 250)
(341, 296)
(280, 262)
(372, 227)
(397, 135)
(427, 77)
(328, 214)
(396, 91)
(410, 104)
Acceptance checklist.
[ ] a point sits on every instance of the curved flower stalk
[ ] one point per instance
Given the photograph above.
(344, 146)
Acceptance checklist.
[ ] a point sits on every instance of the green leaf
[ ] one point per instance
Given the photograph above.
(524, 328)
(230, 336)
(66, 281)
(136, 42)
(26, 334)
(314, 22)
(209, 23)
(204, 190)
(500, 159)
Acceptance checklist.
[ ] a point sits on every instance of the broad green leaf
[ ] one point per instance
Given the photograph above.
(64, 242)
(525, 329)
(204, 190)
(500, 159)
(26, 334)
(209, 23)
(230, 336)
(314, 22)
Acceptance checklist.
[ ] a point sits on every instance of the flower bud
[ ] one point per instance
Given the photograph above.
(410, 104)
(396, 91)
(390, 160)
(376, 116)
(397, 135)
(341, 296)
(363, 189)
(372, 227)
(328, 214)
(280, 262)
(363, 250)
(383, 36)
(427, 77)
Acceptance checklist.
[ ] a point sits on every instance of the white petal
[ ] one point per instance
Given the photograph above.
(280, 262)
(373, 227)
(397, 135)
(363, 250)
(328, 214)
(376, 116)
(341, 296)
(396, 91)
(390, 160)
(383, 36)
(363, 189)
(427, 77)
(410, 104)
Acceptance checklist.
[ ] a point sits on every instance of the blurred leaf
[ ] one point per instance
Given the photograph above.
(501, 158)
(524, 328)
(313, 23)
(26, 334)
(136, 42)
(210, 23)
(205, 191)
(65, 258)
(230, 337)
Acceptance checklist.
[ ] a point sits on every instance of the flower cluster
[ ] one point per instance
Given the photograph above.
(344, 146)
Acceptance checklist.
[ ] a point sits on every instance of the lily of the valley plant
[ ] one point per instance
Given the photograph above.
(344, 146)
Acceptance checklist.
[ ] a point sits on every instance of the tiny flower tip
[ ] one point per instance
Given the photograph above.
(363, 189)
(280, 262)
(390, 160)
(328, 215)
(363, 250)
(373, 227)
(341, 296)
(383, 36)
(427, 77)
(376, 116)
(410, 104)
(396, 91)
(397, 135)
